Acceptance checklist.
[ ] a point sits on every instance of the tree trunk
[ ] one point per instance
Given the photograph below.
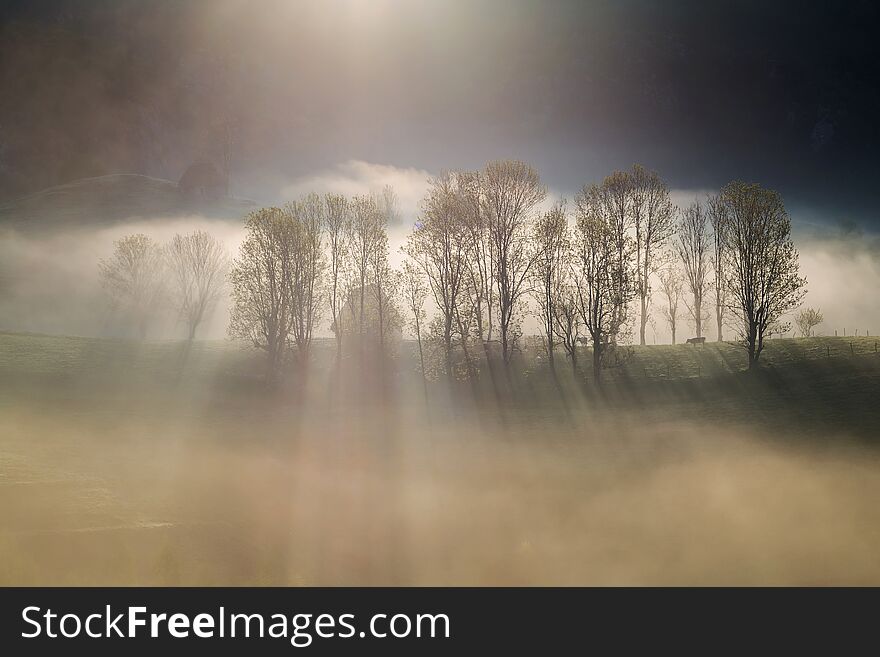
(272, 359)
(597, 361)
(361, 316)
(751, 340)
(464, 348)
(673, 333)
(698, 316)
(422, 361)
(718, 320)
(644, 319)
(381, 326)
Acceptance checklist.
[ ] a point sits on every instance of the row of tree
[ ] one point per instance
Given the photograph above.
(481, 248)
(188, 273)
(627, 232)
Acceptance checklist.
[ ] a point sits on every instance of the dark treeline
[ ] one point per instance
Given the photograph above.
(483, 254)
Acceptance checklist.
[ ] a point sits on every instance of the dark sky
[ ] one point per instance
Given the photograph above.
(786, 94)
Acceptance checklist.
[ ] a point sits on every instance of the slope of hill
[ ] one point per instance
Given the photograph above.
(109, 199)
(807, 385)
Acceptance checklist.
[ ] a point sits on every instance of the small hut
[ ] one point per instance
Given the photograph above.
(202, 180)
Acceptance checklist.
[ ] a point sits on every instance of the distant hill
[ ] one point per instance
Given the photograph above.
(106, 200)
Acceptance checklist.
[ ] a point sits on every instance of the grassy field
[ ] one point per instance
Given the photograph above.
(124, 462)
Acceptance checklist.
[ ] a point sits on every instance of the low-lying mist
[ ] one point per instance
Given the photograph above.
(389, 500)
(123, 462)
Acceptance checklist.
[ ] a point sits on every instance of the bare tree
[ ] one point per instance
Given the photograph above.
(654, 223)
(415, 291)
(566, 319)
(261, 310)
(198, 264)
(388, 206)
(305, 269)
(616, 201)
(764, 280)
(693, 250)
(438, 245)
(338, 227)
(604, 286)
(365, 230)
(480, 254)
(552, 247)
(672, 285)
(512, 192)
(134, 278)
(382, 282)
(716, 212)
(807, 319)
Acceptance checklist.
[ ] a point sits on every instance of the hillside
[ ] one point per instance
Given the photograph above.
(110, 199)
(812, 385)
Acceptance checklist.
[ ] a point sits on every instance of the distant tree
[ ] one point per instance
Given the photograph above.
(353, 325)
(513, 191)
(365, 236)
(654, 224)
(197, 264)
(465, 322)
(672, 285)
(602, 277)
(262, 309)
(807, 319)
(566, 319)
(381, 278)
(133, 277)
(305, 268)
(716, 211)
(414, 291)
(388, 206)
(550, 269)
(693, 251)
(761, 262)
(338, 227)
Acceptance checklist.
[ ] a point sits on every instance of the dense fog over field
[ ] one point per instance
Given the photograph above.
(388, 502)
(128, 463)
